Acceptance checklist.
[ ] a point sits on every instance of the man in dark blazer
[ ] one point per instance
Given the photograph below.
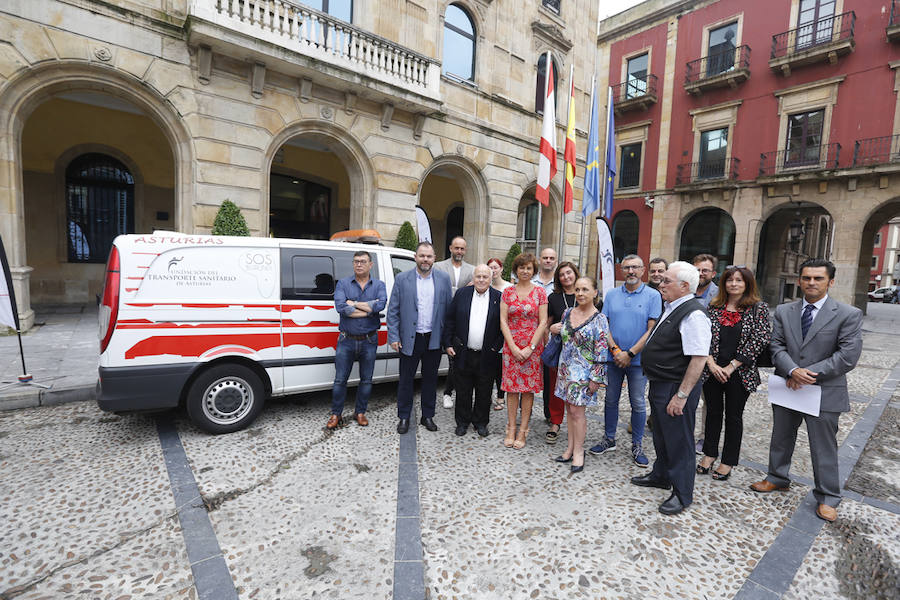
(815, 341)
(415, 318)
(472, 337)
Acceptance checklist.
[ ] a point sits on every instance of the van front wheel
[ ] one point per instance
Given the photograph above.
(225, 398)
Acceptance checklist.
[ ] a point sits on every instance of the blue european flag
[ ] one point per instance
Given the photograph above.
(610, 182)
(591, 200)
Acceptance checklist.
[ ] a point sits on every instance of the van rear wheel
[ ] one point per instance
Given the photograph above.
(225, 398)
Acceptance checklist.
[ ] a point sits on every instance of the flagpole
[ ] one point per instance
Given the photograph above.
(537, 242)
(605, 173)
(562, 224)
(586, 158)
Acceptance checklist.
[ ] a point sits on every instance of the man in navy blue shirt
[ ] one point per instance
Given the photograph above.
(632, 311)
(358, 300)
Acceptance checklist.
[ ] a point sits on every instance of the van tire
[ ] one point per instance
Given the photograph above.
(225, 398)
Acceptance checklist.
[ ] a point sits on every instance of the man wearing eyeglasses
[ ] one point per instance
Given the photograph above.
(632, 311)
(707, 289)
(359, 300)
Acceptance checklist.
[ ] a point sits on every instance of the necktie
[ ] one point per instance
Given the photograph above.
(807, 319)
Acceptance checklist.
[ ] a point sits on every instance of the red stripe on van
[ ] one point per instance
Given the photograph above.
(170, 325)
(197, 345)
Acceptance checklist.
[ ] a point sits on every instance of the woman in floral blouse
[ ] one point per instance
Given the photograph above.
(582, 370)
(740, 332)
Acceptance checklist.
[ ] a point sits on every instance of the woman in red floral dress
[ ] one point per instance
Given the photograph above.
(523, 321)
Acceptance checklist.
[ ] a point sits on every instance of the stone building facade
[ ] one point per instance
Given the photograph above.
(762, 132)
(136, 115)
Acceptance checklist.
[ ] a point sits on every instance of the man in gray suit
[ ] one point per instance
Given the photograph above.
(415, 319)
(815, 341)
(460, 273)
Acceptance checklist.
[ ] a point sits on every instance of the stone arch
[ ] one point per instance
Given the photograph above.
(476, 200)
(687, 218)
(33, 85)
(877, 216)
(351, 154)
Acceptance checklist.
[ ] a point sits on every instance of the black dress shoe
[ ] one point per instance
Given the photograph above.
(481, 430)
(650, 481)
(428, 422)
(560, 459)
(461, 430)
(672, 506)
(576, 469)
(403, 426)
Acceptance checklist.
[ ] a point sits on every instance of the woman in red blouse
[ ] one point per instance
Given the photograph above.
(740, 332)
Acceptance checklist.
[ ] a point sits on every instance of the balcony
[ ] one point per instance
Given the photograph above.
(725, 169)
(811, 158)
(876, 151)
(303, 42)
(893, 28)
(636, 94)
(723, 69)
(825, 39)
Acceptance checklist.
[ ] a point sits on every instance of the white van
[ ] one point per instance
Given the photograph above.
(220, 323)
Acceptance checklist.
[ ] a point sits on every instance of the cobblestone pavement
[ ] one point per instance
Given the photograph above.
(92, 507)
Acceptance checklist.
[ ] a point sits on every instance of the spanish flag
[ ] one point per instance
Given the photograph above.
(569, 153)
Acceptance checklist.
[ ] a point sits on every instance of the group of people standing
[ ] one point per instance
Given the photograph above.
(680, 332)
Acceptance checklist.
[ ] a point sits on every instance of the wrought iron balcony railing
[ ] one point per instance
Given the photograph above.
(630, 177)
(717, 64)
(322, 37)
(876, 151)
(708, 170)
(893, 28)
(633, 89)
(811, 35)
(810, 158)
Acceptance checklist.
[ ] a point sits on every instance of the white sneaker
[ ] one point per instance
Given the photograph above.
(448, 401)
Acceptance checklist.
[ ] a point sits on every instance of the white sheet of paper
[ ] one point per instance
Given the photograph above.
(808, 399)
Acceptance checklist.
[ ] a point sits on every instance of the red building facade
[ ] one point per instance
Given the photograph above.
(768, 132)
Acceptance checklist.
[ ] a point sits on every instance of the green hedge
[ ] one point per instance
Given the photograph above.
(514, 251)
(230, 221)
(406, 237)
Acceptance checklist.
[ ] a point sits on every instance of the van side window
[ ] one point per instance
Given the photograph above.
(401, 264)
(306, 276)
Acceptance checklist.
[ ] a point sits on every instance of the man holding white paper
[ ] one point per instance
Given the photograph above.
(815, 341)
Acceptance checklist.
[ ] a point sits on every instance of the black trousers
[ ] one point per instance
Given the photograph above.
(673, 439)
(450, 381)
(728, 398)
(430, 360)
(547, 390)
(473, 374)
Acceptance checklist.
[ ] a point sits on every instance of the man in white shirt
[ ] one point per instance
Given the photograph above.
(460, 273)
(472, 336)
(673, 360)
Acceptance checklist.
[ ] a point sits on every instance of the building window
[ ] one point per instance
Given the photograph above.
(552, 5)
(804, 139)
(877, 243)
(625, 230)
(459, 44)
(528, 226)
(636, 76)
(814, 22)
(630, 167)
(874, 263)
(720, 53)
(713, 150)
(341, 9)
(709, 231)
(99, 206)
(540, 89)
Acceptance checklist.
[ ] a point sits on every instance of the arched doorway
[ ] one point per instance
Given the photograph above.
(528, 218)
(625, 231)
(791, 234)
(453, 194)
(708, 231)
(94, 165)
(879, 256)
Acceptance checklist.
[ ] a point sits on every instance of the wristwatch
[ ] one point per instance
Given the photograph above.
(630, 353)
(681, 395)
(533, 347)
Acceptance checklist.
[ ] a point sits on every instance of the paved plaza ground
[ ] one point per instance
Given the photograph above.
(100, 506)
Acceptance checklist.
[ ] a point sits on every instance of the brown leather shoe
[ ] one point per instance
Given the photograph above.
(361, 419)
(826, 513)
(334, 421)
(765, 486)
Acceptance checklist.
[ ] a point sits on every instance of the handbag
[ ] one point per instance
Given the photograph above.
(551, 352)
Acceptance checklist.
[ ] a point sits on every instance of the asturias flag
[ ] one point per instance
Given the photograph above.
(610, 182)
(547, 160)
(591, 201)
(569, 152)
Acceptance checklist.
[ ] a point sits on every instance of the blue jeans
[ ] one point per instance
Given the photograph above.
(349, 351)
(636, 384)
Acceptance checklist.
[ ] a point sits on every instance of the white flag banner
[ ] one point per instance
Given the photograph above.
(605, 256)
(8, 312)
(422, 225)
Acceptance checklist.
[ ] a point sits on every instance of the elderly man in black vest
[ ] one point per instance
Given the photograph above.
(673, 361)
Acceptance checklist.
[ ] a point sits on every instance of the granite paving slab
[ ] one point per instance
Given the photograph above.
(85, 495)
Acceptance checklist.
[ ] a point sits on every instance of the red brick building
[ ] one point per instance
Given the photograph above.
(761, 132)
